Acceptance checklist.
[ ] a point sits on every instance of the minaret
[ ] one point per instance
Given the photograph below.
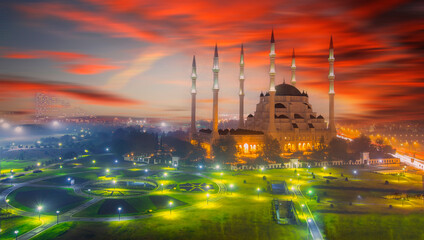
(293, 70)
(215, 90)
(271, 124)
(193, 98)
(241, 92)
(331, 93)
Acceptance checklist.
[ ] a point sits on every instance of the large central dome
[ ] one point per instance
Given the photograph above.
(287, 90)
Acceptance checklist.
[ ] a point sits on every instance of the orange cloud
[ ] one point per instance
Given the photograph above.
(75, 63)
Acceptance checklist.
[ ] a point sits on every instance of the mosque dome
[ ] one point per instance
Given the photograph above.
(287, 90)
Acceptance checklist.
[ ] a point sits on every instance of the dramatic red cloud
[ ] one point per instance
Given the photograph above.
(75, 63)
(378, 44)
(83, 93)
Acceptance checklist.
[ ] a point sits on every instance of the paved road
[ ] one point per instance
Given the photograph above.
(312, 225)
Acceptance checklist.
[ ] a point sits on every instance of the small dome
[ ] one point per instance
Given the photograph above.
(320, 117)
(250, 115)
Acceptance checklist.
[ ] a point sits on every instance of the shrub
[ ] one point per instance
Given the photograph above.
(346, 179)
(386, 182)
(328, 181)
(331, 205)
(264, 178)
(390, 206)
(318, 199)
(350, 203)
(244, 181)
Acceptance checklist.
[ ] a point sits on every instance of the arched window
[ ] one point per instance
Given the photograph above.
(279, 105)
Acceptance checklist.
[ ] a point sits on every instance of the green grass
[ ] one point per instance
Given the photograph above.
(237, 218)
(130, 206)
(52, 199)
(17, 165)
(55, 231)
(63, 180)
(372, 226)
(20, 223)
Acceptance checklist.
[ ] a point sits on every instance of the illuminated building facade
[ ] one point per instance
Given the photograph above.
(283, 113)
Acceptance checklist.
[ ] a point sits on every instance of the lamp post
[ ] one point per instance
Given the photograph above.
(307, 227)
(303, 211)
(16, 234)
(231, 189)
(7, 205)
(298, 177)
(162, 186)
(57, 215)
(221, 176)
(207, 198)
(39, 208)
(119, 213)
(170, 207)
(259, 190)
(310, 194)
(164, 175)
(114, 184)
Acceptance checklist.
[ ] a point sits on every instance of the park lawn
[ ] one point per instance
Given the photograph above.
(51, 199)
(368, 226)
(20, 223)
(55, 231)
(231, 218)
(63, 180)
(4, 187)
(17, 165)
(48, 173)
(130, 206)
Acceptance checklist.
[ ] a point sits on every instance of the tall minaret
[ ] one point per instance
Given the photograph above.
(331, 93)
(193, 98)
(271, 124)
(293, 70)
(241, 92)
(215, 90)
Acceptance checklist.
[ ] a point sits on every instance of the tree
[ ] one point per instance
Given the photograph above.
(224, 149)
(337, 148)
(271, 150)
(361, 144)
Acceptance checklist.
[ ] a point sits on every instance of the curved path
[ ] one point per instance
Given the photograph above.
(68, 216)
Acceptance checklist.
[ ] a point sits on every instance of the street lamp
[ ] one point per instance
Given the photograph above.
(39, 208)
(16, 233)
(165, 174)
(217, 166)
(119, 213)
(114, 184)
(231, 188)
(162, 186)
(7, 205)
(310, 194)
(94, 161)
(107, 170)
(170, 207)
(221, 176)
(146, 170)
(207, 187)
(259, 190)
(207, 198)
(57, 215)
(303, 211)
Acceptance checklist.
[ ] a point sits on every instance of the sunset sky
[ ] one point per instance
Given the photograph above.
(133, 58)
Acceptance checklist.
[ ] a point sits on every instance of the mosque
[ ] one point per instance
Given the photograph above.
(283, 113)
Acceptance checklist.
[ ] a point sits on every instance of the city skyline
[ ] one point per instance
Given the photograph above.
(130, 58)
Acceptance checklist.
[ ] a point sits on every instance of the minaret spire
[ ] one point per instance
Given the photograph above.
(241, 92)
(271, 102)
(215, 90)
(293, 70)
(193, 98)
(331, 93)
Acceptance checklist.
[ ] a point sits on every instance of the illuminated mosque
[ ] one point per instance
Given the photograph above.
(283, 113)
